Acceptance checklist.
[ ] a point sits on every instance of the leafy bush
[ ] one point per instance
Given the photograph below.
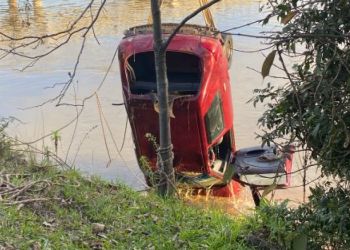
(322, 223)
(313, 107)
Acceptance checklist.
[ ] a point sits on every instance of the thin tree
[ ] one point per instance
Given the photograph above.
(166, 185)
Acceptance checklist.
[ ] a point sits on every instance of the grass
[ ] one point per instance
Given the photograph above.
(79, 213)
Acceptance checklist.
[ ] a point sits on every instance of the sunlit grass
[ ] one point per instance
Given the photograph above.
(72, 204)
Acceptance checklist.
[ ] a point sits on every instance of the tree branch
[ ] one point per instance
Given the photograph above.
(185, 20)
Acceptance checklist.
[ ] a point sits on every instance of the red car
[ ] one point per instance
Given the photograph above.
(205, 155)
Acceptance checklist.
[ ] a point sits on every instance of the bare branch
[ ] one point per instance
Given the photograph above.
(185, 20)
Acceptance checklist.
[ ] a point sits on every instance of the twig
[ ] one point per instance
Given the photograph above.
(26, 187)
(81, 143)
(185, 20)
(30, 201)
(103, 129)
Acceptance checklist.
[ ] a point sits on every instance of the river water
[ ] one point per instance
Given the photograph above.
(88, 151)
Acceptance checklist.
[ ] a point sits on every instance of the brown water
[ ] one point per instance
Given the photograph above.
(88, 151)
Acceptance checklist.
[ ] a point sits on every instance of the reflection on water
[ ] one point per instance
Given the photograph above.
(87, 150)
(42, 17)
(235, 206)
(20, 16)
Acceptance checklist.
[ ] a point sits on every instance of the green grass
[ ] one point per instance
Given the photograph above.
(132, 220)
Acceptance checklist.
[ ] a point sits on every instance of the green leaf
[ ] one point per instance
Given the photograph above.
(288, 17)
(269, 189)
(300, 242)
(347, 140)
(315, 130)
(265, 70)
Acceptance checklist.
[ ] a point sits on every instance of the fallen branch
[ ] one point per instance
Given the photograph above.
(27, 187)
(30, 201)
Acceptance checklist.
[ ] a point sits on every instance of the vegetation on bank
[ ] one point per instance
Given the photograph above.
(310, 107)
(45, 207)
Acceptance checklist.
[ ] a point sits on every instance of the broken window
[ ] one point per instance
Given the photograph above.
(183, 70)
(214, 120)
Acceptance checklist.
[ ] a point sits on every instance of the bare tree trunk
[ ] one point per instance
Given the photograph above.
(165, 160)
(166, 185)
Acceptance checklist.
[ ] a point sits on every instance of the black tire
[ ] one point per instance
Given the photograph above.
(228, 48)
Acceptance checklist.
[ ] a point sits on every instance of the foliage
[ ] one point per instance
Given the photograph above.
(313, 106)
(56, 137)
(151, 176)
(327, 217)
(7, 158)
(71, 205)
(323, 222)
(275, 225)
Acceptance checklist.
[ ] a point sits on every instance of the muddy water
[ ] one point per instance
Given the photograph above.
(88, 150)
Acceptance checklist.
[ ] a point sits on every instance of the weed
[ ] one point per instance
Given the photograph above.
(45, 207)
(56, 137)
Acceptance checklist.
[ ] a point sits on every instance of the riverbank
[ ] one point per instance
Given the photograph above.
(43, 206)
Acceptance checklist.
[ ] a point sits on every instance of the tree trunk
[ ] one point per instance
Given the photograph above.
(166, 186)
